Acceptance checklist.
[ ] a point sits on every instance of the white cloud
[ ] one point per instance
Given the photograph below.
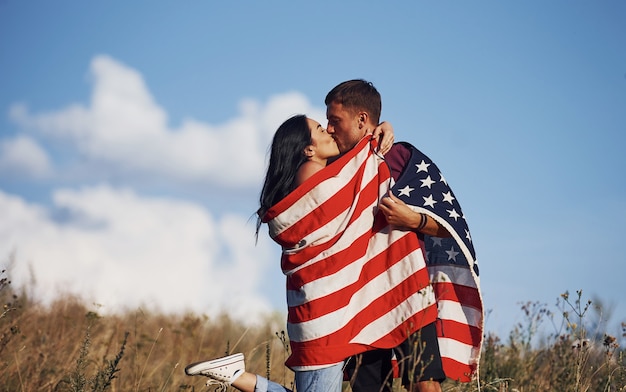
(122, 251)
(124, 127)
(23, 156)
(112, 245)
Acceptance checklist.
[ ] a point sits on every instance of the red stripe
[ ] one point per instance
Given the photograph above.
(341, 298)
(314, 220)
(460, 332)
(467, 296)
(367, 197)
(411, 325)
(323, 267)
(456, 370)
(333, 348)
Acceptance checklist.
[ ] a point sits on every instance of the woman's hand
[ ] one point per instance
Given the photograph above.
(386, 141)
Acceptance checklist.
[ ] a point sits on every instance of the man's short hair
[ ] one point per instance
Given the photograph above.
(357, 95)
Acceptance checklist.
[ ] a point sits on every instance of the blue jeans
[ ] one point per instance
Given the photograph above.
(322, 380)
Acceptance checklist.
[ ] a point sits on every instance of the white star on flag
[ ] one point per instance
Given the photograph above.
(427, 182)
(429, 201)
(453, 214)
(406, 191)
(442, 179)
(422, 167)
(452, 254)
(448, 197)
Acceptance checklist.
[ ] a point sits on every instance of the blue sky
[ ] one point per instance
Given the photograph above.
(133, 138)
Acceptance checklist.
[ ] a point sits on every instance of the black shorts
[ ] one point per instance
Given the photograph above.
(420, 355)
(368, 371)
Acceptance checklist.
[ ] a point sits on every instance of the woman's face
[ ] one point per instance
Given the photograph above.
(323, 144)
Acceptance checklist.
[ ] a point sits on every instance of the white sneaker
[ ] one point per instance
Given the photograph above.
(222, 371)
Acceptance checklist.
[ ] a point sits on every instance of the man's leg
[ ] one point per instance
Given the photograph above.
(428, 386)
(370, 371)
(420, 361)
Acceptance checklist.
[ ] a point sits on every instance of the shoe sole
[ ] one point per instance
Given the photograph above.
(197, 368)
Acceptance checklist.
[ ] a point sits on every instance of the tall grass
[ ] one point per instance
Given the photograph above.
(572, 357)
(69, 346)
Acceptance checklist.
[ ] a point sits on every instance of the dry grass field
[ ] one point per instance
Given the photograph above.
(68, 346)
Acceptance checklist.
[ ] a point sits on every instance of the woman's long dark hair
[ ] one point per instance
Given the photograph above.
(286, 156)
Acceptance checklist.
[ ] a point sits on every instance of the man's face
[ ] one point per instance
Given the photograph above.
(343, 125)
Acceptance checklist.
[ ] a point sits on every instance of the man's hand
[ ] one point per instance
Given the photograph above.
(399, 214)
(385, 130)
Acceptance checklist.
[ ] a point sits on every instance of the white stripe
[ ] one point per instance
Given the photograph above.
(452, 310)
(389, 321)
(383, 283)
(322, 234)
(460, 352)
(449, 273)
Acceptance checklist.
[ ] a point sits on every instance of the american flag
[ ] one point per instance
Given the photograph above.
(451, 264)
(352, 283)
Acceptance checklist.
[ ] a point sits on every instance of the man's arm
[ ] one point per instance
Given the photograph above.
(399, 214)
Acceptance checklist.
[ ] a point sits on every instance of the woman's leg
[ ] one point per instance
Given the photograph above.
(264, 385)
(322, 380)
(246, 382)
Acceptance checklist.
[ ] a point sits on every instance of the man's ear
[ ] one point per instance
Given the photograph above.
(362, 118)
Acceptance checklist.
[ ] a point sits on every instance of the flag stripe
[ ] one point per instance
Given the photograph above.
(459, 274)
(376, 277)
(457, 293)
(457, 370)
(458, 331)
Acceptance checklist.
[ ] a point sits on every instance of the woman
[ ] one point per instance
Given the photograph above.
(300, 148)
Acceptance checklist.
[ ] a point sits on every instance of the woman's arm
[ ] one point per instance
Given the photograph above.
(386, 141)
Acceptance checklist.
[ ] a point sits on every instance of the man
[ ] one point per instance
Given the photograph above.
(353, 110)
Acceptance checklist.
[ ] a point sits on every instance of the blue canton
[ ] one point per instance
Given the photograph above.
(424, 187)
